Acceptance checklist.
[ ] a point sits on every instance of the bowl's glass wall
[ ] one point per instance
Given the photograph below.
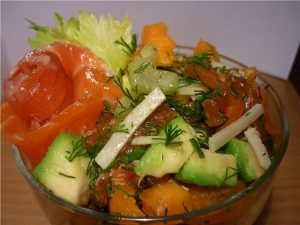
(242, 209)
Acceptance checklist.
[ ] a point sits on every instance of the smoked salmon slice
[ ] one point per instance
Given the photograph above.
(58, 88)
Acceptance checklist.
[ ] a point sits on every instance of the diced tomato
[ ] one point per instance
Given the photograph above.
(123, 177)
(212, 113)
(233, 111)
(235, 95)
(163, 115)
(210, 78)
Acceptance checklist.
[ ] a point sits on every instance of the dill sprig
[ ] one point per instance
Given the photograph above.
(65, 175)
(121, 128)
(123, 109)
(222, 70)
(78, 149)
(150, 127)
(109, 187)
(170, 134)
(208, 95)
(134, 99)
(228, 175)
(142, 68)
(233, 89)
(185, 81)
(197, 146)
(108, 108)
(193, 112)
(202, 59)
(130, 48)
(93, 152)
(81, 149)
(179, 107)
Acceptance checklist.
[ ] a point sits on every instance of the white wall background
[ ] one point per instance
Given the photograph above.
(264, 34)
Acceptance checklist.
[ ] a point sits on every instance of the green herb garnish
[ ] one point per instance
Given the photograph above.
(233, 89)
(134, 99)
(120, 128)
(78, 149)
(185, 81)
(197, 147)
(203, 59)
(194, 111)
(209, 95)
(65, 175)
(108, 108)
(109, 189)
(227, 176)
(150, 127)
(136, 154)
(129, 49)
(142, 67)
(170, 134)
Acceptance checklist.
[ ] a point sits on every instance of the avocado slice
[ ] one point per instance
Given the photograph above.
(160, 159)
(65, 179)
(248, 165)
(214, 169)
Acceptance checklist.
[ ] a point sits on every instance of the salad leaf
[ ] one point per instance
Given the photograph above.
(99, 35)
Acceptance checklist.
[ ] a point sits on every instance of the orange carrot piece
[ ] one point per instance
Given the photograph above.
(166, 198)
(204, 46)
(122, 202)
(156, 34)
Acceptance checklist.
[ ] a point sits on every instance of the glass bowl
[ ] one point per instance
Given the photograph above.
(242, 208)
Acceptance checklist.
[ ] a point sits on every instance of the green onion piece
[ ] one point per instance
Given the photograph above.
(196, 145)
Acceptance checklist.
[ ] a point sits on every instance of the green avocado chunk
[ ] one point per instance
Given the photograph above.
(248, 165)
(214, 169)
(160, 159)
(65, 179)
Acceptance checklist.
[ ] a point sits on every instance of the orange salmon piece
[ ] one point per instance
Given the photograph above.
(59, 88)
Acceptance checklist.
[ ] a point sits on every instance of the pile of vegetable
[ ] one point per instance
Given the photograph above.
(108, 124)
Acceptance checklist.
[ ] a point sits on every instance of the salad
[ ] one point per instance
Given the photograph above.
(108, 123)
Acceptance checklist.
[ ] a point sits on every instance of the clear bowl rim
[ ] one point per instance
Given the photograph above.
(280, 152)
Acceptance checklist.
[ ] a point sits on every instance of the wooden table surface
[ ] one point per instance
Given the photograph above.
(19, 207)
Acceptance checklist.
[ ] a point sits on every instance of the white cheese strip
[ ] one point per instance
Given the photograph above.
(259, 148)
(220, 138)
(130, 123)
(191, 89)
